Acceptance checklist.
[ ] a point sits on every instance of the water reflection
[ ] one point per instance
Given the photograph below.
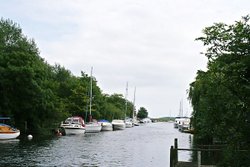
(145, 146)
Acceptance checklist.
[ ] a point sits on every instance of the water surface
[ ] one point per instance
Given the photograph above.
(146, 146)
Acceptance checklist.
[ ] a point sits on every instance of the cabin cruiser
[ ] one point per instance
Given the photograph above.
(118, 124)
(106, 125)
(8, 132)
(128, 123)
(73, 125)
(93, 127)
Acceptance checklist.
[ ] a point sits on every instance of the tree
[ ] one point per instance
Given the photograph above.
(220, 96)
(142, 113)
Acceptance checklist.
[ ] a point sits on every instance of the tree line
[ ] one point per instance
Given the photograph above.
(220, 96)
(38, 96)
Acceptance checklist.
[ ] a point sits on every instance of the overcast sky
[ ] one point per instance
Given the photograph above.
(148, 43)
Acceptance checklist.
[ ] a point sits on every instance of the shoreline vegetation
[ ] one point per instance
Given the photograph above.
(220, 96)
(38, 96)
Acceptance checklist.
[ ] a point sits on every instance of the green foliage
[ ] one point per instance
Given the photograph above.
(220, 96)
(142, 113)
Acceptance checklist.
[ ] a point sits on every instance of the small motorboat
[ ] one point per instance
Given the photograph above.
(73, 126)
(128, 124)
(106, 125)
(7, 131)
(118, 124)
(93, 127)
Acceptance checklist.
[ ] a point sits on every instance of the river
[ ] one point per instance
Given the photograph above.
(142, 146)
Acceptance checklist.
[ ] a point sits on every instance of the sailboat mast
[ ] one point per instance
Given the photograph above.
(134, 104)
(126, 102)
(90, 93)
(181, 109)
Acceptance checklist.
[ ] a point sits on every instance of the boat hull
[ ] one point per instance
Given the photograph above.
(93, 128)
(129, 124)
(118, 124)
(74, 131)
(9, 135)
(107, 126)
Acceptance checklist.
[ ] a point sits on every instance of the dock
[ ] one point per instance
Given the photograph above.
(174, 162)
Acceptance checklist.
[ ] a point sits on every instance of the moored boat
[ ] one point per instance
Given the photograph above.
(106, 125)
(7, 131)
(73, 126)
(118, 124)
(184, 124)
(177, 121)
(128, 123)
(93, 127)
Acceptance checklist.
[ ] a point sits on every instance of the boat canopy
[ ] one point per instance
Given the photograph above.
(103, 120)
(4, 118)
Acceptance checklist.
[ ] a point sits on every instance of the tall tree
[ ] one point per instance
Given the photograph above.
(220, 96)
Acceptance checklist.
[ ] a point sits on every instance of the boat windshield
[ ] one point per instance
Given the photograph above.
(75, 121)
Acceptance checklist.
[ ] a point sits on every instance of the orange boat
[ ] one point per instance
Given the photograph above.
(6, 131)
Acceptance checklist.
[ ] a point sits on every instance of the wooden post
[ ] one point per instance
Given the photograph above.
(176, 150)
(172, 156)
(199, 158)
(25, 127)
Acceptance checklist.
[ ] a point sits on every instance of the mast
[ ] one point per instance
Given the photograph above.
(134, 110)
(126, 102)
(90, 96)
(181, 109)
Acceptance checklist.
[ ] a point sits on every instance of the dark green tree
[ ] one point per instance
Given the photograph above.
(142, 113)
(25, 87)
(220, 96)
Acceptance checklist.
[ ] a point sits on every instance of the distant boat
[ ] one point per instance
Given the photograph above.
(128, 123)
(106, 125)
(177, 121)
(184, 124)
(92, 126)
(6, 131)
(146, 120)
(73, 126)
(118, 124)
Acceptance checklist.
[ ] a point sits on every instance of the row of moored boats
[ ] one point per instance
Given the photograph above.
(76, 125)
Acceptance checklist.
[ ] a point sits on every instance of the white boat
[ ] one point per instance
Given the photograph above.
(184, 124)
(177, 121)
(128, 123)
(146, 120)
(6, 131)
(73, 126)
(118, 124)
(92, 126)
(106, 125)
